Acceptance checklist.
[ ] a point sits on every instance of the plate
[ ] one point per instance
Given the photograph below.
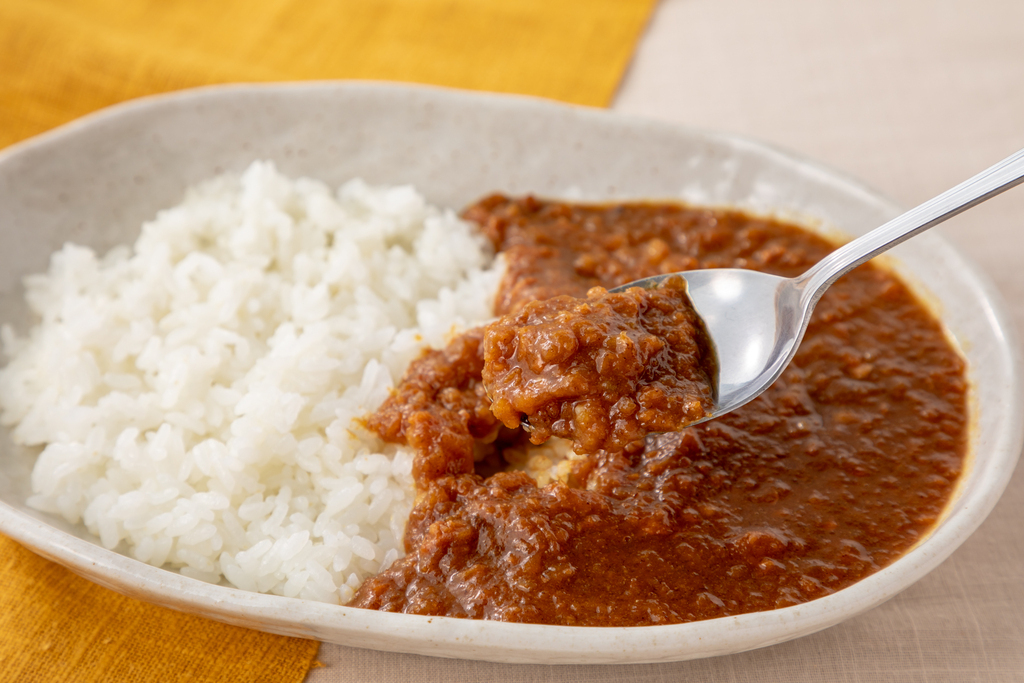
(95, 181)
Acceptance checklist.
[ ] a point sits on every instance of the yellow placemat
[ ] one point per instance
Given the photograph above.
(60, 59)
(56, 626)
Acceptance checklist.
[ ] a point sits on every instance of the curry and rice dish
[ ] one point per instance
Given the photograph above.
(301, 391)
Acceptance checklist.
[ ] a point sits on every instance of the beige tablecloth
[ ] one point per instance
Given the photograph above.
(910, 96)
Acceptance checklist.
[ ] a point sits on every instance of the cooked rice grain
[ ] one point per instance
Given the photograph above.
(195, 396)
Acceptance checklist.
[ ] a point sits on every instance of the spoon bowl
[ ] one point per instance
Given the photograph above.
(755, 321)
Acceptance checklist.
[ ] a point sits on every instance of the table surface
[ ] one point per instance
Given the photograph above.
(911, 97)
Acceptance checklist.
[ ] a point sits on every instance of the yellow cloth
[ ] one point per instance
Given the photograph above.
(56, 626)
(62, 59)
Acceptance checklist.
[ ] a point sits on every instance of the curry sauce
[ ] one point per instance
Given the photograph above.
(829, 476)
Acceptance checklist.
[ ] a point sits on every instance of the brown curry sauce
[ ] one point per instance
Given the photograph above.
(603, 371)
(830, 475)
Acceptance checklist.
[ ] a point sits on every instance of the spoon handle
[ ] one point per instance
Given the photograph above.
(987, 184)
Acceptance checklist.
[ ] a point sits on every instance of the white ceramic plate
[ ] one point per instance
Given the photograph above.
(95, 180)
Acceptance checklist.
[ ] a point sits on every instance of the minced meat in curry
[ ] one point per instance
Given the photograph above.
(603, 371)
(830, 475)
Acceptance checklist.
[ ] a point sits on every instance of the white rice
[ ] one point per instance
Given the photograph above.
(195, 396)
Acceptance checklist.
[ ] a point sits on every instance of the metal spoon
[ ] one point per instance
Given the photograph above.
(756, 321)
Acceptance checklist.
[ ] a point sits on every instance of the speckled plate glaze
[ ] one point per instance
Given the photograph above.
(95, 180)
